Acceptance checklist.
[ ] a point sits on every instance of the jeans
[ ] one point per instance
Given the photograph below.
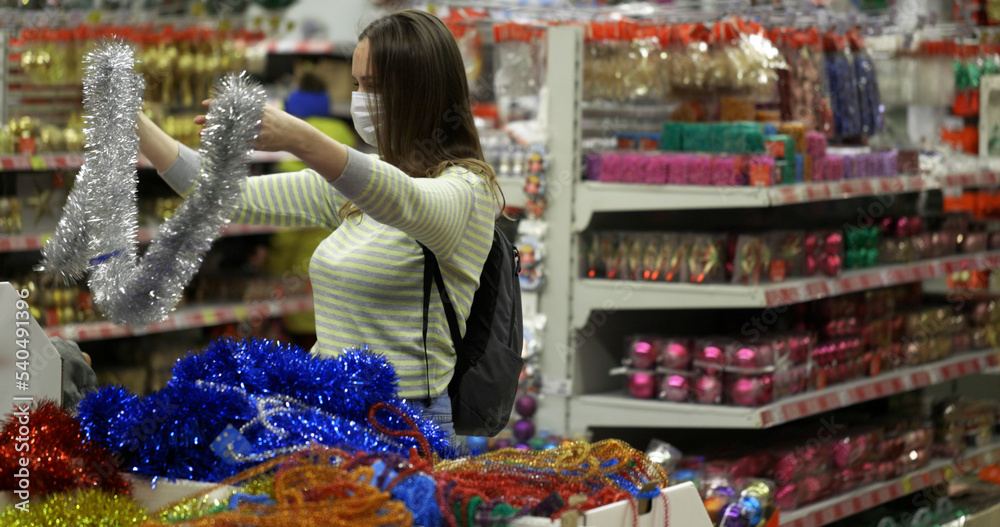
(439, 411)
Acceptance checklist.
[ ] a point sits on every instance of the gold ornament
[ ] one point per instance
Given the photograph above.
(42, 202)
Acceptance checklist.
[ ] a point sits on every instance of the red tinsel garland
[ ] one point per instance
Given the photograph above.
(48, 442)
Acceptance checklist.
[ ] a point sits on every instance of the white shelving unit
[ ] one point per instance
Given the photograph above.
(564, 76)
(581, 311)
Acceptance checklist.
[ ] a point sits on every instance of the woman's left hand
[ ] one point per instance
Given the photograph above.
(278, 129)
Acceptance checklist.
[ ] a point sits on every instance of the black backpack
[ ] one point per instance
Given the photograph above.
(489, 362)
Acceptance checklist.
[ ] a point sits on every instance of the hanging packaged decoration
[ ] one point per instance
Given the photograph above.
(519, 56)
(869, 100)
(843, 87)
(530, 245)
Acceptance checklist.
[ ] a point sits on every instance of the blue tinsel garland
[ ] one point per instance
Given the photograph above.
(279, 396)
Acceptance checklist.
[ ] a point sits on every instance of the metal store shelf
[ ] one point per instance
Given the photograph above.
(594, 294)
(186, 318)
(619, 410)
(594, 197)
(855, 501)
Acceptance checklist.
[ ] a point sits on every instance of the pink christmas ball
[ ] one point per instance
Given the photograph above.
(745, 391)
(711, 359)
(766, 394)
(708, 389)
(811, 243)
(766, 353)
(642, 385)
(641, 355)
(843, 350)
(902, 227)
(834, 243)
(787, 468)
(747, 358)
(526, 405)
(787, 496)
(830, 264)
(675, 356)
(524, 430)
(674, 388)
(813, 487)
(810, 266)
(916, 225)
(886, 225)
(522, 446)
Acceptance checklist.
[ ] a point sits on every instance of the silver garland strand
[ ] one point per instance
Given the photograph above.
(112, 99)
(127, 291)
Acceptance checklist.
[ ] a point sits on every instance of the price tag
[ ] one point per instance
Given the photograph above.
(37, 162)
(209, 317)
(949, 472)
(786, 194)
(818, 192)
(230, 443)
(907, 485)
(555, 386)
(817, 290)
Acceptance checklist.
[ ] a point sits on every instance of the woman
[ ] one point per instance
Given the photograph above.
(430, 185)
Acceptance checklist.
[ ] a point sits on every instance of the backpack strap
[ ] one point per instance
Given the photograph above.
(433, 270)
(428, 274)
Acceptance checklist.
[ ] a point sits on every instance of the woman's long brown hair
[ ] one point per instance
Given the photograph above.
(423, 119)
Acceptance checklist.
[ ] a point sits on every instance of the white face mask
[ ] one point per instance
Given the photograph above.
(363, 122)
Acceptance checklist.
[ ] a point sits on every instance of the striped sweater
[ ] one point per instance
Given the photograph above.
(367, 276)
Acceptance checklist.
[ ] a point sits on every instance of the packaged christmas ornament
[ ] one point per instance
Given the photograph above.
(709, 366)
(787, 255)
(823, 253)
(706, 258)
(641, 352)
(752, 260)
(674, 386)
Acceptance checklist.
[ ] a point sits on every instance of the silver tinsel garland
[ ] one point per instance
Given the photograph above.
(98, 230)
